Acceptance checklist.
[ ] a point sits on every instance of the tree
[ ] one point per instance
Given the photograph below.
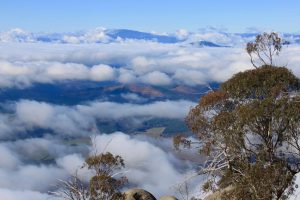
(104, 185)
(72, 189)
(265, 47)
(250, 131)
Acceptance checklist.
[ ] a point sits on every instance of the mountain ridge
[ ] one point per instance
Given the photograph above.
(205, 38)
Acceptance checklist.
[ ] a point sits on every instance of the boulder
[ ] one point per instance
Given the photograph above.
(218, 194)
(168, 198)
(138, 194)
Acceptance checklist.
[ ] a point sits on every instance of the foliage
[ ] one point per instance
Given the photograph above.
(104, 185)
(250, 130)
(180, 140)
(72, 189)
(265, 47)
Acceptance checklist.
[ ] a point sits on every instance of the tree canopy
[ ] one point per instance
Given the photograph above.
(105, 184)
(264, 49)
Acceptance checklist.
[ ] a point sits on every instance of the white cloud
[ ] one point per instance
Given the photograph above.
(127, 76)
(190, 77)
(73, 164)
(141, 156)
(26, 115)
(132, 97)
(11, 194)
(41, 178)
(24, 74)
(159, 109)
(35, 113)
(24, 180)
(16, 35)
(142, 65)
(8, 160)
(126, 62)
(61, 119)
(96, 35)
(182, 34)
(59, 71)
(156, 78)
(102, 73)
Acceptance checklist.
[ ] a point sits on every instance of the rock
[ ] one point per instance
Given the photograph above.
(138, 194)
(214, 196)
(218, 194)
(168, 198)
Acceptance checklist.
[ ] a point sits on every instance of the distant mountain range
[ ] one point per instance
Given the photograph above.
(102, 35)
(137, 35)
(206, 44)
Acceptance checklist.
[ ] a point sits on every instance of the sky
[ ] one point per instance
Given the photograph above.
(149, 15)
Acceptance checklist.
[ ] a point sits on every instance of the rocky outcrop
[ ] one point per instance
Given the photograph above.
(138, 194)
(168, 198)
(218, 194)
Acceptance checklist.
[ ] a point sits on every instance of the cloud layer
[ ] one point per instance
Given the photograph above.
(26, 115)
(103, 35)
(142, 160)
(31, 164)
(127, 62)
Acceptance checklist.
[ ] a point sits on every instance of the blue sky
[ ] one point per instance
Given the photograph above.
(149, 15)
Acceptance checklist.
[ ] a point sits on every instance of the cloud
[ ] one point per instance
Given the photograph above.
(41, 177)
(182, 34)
(35, 113)
(6, 127)
(102, 73)
(159, 109)
(18, 175)
(103, 35)
(190, 77)
(38, 148)
(94, 56)
(73, 164)
(142, 157)
(126, 62)
(28, 115)
(9, 160)
(24, 74)
(97, 35)
(23, 178)
(10, 194)
(156, 78)
(16, 35)
(60, 119)
(133, 98)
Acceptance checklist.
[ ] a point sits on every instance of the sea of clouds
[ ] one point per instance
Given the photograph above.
(150, 164)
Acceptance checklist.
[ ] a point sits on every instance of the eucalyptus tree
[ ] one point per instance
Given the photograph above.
(249, 129)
